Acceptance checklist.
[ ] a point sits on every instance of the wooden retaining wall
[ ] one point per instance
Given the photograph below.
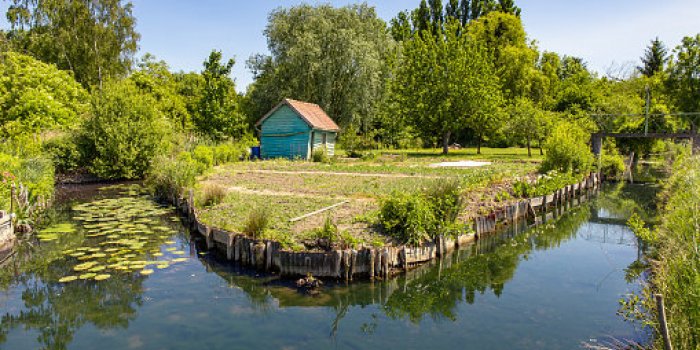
(266, 255)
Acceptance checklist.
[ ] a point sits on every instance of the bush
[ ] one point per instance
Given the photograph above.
(257, 222)
(612, 166)
(64, 153)
(124, 133)
(407, 217)
(213, 194)
(566, 150)
(319, 155)
(168, 177)
(204, 155)
(36, 174)
(447, 201)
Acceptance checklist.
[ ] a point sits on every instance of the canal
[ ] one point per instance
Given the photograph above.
(134, 278)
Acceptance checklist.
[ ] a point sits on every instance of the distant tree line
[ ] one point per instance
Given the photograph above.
(460, 71)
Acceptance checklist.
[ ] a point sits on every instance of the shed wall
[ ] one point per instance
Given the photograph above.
(284, 135)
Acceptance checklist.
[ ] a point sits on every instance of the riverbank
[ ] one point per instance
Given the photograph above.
(674, 258)
(378, 261)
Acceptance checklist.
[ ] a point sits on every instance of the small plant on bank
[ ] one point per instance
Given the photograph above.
(409, 218)
(213, 194)
(319, 155)
(329, 231)
(257, 222)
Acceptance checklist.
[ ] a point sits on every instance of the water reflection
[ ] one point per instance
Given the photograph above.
(52, 314)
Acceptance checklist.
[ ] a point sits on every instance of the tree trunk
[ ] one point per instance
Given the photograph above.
(541, 150)
(529, 153)
(446, 142)
(478, 144)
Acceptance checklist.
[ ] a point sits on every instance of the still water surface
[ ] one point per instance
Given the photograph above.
(554, 287)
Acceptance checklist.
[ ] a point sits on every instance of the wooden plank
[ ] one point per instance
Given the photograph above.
(319, 211)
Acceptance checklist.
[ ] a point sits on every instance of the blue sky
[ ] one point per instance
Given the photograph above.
(603, 33)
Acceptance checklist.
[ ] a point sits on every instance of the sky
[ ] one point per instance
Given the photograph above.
(605, 33)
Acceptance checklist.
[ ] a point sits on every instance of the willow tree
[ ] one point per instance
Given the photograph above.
(334, 57)
(445, 83)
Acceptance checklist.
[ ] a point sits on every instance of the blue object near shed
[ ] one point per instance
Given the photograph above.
(255, 152)
(294, 129)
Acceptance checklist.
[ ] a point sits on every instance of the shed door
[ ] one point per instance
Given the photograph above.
(323, 138)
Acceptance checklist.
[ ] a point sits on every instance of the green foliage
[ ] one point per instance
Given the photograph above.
(654, 59)
(257, 222)
(94, 39)
(612, 166)
(319, 155)
(637, 225)
(684, 77)
(446, 200)
(414, 218)
(447, 83)
(545, 184)
(35, 173)
(566, 150)
(37, 97)
(155, 79)
(335, 57)
(676, 252)
(64, 152)
(218, 115)
(407, 217)
(125, 132)
(204, 155)
(169, 176)
(329, 231)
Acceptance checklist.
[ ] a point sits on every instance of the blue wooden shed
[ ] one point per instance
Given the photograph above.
(294, 129)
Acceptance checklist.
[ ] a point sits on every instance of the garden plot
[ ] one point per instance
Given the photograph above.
(285, 190)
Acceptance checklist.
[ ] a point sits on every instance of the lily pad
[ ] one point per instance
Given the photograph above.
(68, 279)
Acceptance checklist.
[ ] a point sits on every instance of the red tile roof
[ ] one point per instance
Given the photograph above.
(312, 113)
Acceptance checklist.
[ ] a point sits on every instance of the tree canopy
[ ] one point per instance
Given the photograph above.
(95, 39)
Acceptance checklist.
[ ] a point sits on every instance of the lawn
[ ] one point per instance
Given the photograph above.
(289, 189)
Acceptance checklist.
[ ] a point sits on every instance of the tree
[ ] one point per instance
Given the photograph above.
(334, 57)
(124, 133)
(436, 17)
(37, 97)
(154, 78)
(445, 83)
(684, 77)
(421, 17)
(218, 114)
(95, 39)
(566, 150)
(400, 26)
(654, 58)
(526, 122)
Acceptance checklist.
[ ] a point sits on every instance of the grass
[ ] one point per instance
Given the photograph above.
(288, 189)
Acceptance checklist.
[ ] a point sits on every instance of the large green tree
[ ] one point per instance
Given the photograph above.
(335, 57)
(36, 97)
(445, 83)
(218, 115)
(684, 78)
(96, 39)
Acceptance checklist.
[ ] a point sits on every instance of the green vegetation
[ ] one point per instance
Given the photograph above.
(674, 258)
(566, 150)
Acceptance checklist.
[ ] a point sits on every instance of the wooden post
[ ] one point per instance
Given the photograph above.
(662, 321)
(12, 199)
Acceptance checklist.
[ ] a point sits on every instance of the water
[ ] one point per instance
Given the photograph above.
(550, 288)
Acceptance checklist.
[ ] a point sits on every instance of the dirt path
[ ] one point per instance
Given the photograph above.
(307, 172)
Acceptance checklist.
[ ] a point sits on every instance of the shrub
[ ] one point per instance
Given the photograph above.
(612, 166)
(446, 200)
(64, 153)
(204, 155)
(319, 155)
(407, 217)
(328, 231)
(124, 133)
(168, 177)
(213, 194)
(35, 174)
(257, 222)
(566, 150)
